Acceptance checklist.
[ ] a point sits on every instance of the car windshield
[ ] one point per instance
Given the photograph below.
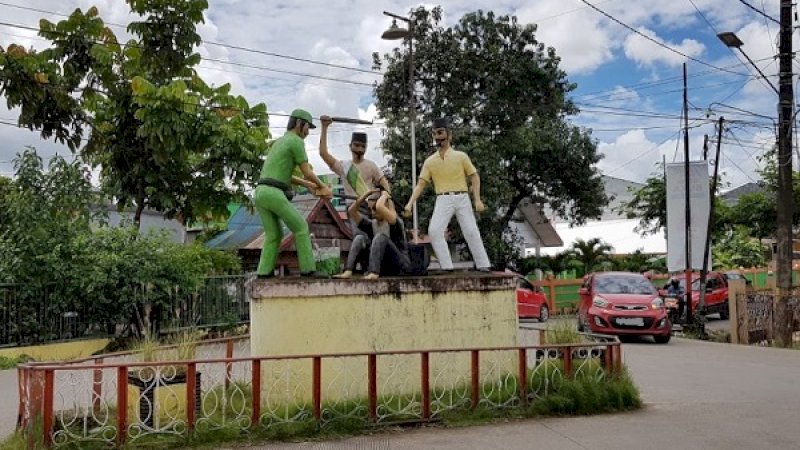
(623, 284)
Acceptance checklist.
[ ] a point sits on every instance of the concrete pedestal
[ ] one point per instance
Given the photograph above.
(296, 316)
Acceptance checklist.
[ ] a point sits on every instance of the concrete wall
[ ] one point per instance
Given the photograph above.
(302, 317)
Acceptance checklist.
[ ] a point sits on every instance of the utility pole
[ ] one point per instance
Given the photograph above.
(785, 204)
(688, 225)
(707, 247)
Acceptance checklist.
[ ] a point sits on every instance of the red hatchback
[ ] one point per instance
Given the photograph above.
(622, 303)
(531, 301)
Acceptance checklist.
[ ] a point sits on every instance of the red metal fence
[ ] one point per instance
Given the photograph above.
(130, 401)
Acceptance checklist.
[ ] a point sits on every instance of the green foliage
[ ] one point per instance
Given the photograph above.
(45, 211)
(590, 253)
(508, 101)
(649, 205)
(52, 247)
(756, 211)
(737, 249)
(562, 333)
(12, 362)
(161, 137)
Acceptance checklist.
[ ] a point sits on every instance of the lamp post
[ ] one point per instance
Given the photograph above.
(785, 201)
(393, 33)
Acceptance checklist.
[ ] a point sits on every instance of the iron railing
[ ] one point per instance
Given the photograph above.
(137, 402)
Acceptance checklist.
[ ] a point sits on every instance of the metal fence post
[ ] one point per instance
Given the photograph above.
(47, 420)
(316, 388)
(475, 366)
(122, 405)
(256, 392)
(425, 383)
(372, 375)
(191, 389)
(523, 376)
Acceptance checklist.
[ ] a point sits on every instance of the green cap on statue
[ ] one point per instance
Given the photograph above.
(303, 114)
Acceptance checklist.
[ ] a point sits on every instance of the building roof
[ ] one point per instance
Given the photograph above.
(245, 230)
(541, 225)
(243, 227)
(732, 197)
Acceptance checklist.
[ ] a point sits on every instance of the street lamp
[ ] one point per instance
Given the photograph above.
(394, 33)
(785, 201)
(732, 41)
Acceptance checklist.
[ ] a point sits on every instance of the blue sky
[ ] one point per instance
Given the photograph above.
(621, 76)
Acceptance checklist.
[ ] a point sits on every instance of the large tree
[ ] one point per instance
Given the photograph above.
(508, 101)
(161, 137)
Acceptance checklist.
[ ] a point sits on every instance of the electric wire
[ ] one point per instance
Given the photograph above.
(655, 41)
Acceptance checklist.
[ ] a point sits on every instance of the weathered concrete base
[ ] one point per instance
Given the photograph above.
(296, 316)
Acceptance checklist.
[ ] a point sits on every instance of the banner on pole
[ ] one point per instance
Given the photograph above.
(700, 203)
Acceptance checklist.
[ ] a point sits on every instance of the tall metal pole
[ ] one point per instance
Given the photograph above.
(785, 209)
(707, 247)
(688, 224)
(413, 116)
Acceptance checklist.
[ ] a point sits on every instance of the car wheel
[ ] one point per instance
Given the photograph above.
(544, 314)
(662, 339)
(724, 313)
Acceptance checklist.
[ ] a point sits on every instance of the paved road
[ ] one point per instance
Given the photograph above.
(9, 402)
(698, 395)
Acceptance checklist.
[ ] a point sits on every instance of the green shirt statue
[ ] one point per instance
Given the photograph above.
(273, 195)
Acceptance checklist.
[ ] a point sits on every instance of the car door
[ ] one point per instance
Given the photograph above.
(719, 293)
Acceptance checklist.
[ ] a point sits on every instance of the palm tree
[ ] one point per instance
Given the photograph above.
(591, 252)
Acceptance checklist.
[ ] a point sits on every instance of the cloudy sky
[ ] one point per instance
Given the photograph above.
(629, 88)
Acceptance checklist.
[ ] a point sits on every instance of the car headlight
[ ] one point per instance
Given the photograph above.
(657, 303)
(600, 302)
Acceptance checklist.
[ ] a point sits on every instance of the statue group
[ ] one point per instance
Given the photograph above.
(380, 244)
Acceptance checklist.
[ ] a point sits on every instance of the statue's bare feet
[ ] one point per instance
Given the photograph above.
(371, 276)
(345, 274)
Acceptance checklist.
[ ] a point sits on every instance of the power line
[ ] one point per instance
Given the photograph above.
(218, 69)
(219, 44)
(288, 72)
(643, 154)
(762, 13)
(714, 29)
(649, 84)
(661, 44)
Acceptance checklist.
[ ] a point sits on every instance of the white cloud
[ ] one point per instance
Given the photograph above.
(646, 53)
(581, 38)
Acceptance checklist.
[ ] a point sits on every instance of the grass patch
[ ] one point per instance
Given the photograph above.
(11, 363)
(562, 333)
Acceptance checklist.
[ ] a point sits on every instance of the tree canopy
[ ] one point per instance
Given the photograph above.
(161, 137)
(508, 101)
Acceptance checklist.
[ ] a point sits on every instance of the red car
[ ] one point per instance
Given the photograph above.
(716, 299)
(622, 303)
(531, 301)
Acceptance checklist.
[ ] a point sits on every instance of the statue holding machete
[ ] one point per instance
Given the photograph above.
(359, 176)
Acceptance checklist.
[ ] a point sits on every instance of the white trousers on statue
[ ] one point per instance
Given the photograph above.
(446, 207)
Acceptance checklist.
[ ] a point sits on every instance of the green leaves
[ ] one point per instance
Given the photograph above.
(508, 100)
(162, 138)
